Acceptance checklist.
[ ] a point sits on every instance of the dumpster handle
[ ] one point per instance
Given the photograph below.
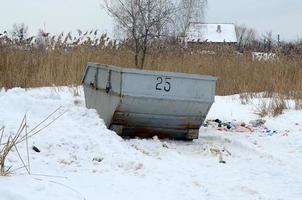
(92, 84)
(108, 85)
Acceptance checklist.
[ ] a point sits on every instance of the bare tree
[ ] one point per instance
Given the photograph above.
(141, 21)
(245, 35)
(189, 11)
(268, 40)
(20, 31)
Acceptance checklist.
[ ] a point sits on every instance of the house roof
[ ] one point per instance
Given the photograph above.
(200, 32)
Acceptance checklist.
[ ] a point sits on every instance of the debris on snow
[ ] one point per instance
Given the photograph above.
(36, 149)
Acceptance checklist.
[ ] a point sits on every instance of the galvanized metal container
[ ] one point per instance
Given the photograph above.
(145, 103)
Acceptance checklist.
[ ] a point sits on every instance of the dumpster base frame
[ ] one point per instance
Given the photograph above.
(149, 132)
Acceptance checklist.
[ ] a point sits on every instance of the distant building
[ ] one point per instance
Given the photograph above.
(217, 34)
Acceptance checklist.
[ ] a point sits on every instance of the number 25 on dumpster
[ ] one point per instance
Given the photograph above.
(163, 83)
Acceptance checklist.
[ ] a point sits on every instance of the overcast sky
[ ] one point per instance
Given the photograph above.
(280, 16)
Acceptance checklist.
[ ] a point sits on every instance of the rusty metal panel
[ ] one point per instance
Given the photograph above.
(155, 120)
(149, 101)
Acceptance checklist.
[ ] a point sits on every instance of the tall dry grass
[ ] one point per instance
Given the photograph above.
(59, 62)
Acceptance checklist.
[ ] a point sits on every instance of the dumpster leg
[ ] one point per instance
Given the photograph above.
(117, 128)
(192, 134)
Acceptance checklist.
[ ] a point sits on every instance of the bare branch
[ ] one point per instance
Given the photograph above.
(142, 21)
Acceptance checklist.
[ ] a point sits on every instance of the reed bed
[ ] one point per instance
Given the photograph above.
(61, 61)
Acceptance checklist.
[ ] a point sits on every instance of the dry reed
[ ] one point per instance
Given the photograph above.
(59, 62)
(11, 141)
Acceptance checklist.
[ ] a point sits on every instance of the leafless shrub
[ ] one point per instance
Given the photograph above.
(274, 106)
(245, 36)
(8, 143)
(262, 108)
(245, 98)
(277, 106)
(298, 104)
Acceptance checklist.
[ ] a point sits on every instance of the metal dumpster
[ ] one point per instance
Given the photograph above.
(146, 103)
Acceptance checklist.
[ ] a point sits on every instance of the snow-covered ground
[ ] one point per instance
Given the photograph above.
(258, 165)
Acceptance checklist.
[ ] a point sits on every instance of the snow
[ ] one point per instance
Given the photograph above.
(258, 166)
(263, 56)
(199, 32)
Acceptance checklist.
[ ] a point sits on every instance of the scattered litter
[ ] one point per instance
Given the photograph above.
(220, 153)
(241, 127)
(257, 122)
(221, 159)
(36, 149)
(98, 159)
(227, 151)
(270, 132)
(285, 134)
(228, 126)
